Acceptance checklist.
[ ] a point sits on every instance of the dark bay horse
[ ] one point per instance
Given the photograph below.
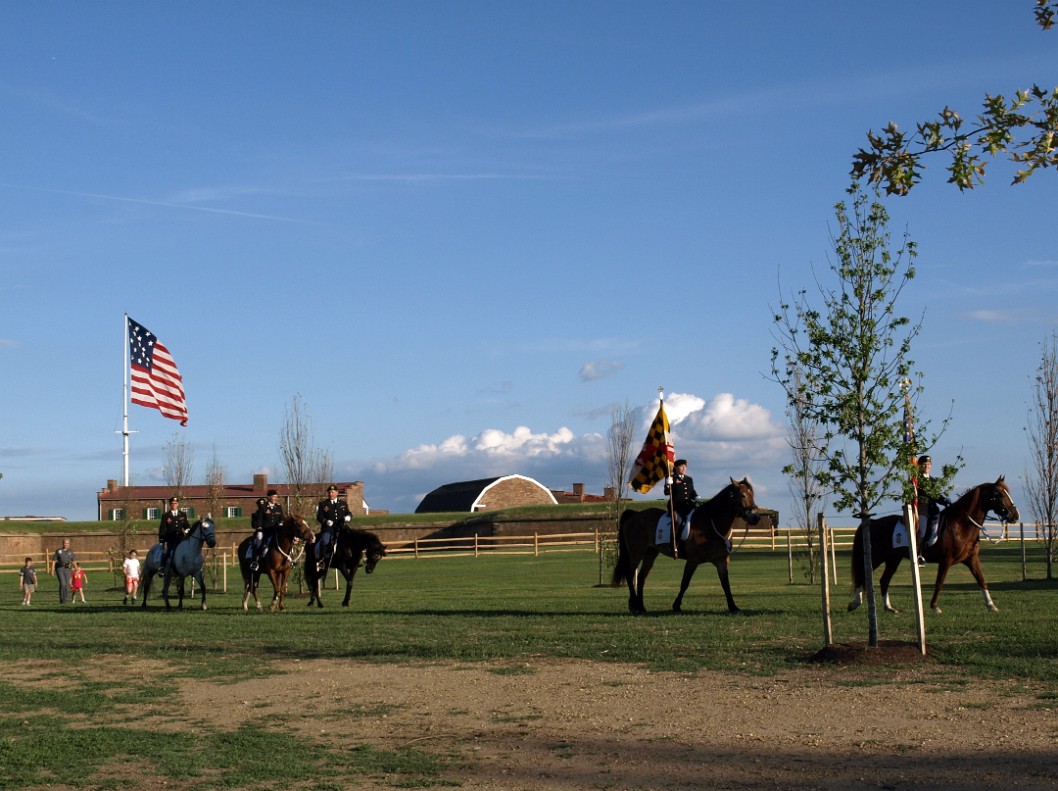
(284, 550)
(186, 561)
(958, 541)
(709, 541)
(353, 547)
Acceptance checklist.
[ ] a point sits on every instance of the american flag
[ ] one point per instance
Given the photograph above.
(156, 382)
(909, 441)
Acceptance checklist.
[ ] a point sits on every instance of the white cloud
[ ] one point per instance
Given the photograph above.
(721, 437)
(600, 369)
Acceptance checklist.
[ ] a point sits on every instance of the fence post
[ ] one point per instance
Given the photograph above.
(224, 567)
(1024, 574)
(416, 547)
(476, 548)
(789, 556)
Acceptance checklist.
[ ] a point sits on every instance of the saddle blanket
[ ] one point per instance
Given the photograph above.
(663, 535)
(900, 539)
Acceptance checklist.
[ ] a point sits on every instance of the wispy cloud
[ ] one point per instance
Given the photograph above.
(169, 204)
(7, 343)
(600, 369)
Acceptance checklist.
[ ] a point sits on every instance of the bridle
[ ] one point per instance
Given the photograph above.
(997, 505)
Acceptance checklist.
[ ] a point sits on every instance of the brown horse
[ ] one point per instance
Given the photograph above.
(354, 548)
(284, 550)
(958, 541)
(709, 541)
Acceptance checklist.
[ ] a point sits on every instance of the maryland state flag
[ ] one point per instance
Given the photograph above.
(654, 461)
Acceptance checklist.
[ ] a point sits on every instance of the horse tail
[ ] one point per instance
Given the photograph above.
(621, 569)
(857, 556)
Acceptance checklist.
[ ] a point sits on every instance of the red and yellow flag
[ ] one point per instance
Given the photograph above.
(654, 462)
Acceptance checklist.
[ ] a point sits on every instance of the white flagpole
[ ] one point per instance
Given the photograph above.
(125, 402)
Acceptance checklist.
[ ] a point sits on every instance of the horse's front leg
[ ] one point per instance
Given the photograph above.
(974, 564)
(165, 590)
(349, 586)
(942, 573)
(891, 565)
(200, 579)
(723, 568)
(275, 590)
(689, 567)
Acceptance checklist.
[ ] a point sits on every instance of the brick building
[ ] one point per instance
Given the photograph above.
(118, 503)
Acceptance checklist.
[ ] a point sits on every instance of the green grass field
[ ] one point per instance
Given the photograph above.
(498, 608)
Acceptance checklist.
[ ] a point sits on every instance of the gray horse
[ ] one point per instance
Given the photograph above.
(186, 561)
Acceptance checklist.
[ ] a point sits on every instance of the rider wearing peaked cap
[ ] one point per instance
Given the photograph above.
(929, 503)
(172, 529)
(265, 520)
(332, 514)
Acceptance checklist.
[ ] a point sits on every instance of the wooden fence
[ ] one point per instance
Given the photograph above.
(220, 559)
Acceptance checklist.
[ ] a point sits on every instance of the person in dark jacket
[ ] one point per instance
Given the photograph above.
(680, 489)
(930, 500)
(332, 514)
(172, 530)
(267, 517)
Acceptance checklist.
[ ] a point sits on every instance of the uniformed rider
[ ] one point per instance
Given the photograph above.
(265, 520)
(331, 514)
(930, 499)
(172, 530)
(680, 489)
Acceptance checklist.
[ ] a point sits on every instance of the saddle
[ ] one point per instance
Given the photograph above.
(663, 532)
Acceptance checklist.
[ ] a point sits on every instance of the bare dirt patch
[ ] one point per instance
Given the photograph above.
(584, 725)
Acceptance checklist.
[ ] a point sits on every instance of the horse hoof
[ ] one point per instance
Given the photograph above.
(892, 610)
(853, 605)
(735, 611)
(993, 608)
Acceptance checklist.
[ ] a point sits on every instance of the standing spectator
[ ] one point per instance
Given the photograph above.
(77, 581)
(27, 581)
(131, 569)
(62, 563)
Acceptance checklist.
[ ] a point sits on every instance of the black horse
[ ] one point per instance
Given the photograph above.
(709, 541)
(355, 548)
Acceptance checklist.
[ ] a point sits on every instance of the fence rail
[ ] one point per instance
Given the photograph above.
(535, 544)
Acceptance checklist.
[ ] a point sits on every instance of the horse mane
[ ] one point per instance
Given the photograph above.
(963, 502)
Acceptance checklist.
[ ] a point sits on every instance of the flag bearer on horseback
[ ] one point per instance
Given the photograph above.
(930, 501)
(172, 530)
(680, 489)
(332, 514)
(267, 517)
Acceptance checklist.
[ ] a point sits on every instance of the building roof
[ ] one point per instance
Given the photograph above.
(467, 495)
(227, 491)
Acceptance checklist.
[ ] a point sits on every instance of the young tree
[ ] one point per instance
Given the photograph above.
(894, 158)
(215, 475)
(841, 365)
(1041, 481)
(179, 464)
(308, 468)
(619, 458)
(805, 472)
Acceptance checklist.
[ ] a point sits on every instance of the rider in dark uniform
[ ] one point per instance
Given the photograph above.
(267, 517)
(930, 499)
(332, 514)
(172, 530)
(680, 489)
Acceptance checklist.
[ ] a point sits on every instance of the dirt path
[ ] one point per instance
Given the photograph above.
(581, 725)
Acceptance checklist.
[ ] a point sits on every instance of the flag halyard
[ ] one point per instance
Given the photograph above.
(154, 378)
(654, 462)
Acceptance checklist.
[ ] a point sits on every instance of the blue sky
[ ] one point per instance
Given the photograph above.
(462, 231)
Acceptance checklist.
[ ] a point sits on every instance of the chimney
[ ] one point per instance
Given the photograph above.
(260, 483)
(609, 493)
(578, 489)
(112, 485)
